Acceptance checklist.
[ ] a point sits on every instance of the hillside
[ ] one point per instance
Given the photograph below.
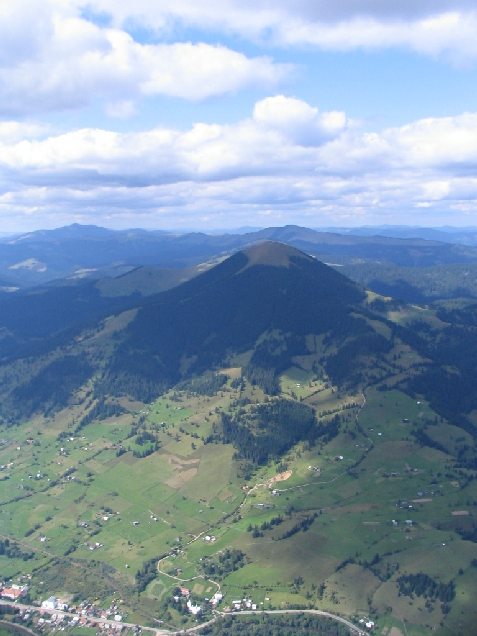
(38, 319)
(266, 429)
(223, 313)
(416, 285)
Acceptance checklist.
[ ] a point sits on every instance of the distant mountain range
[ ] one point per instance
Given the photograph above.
(77, 251)
(446, 234)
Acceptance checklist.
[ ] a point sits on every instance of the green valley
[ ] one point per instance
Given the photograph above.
(305, 462)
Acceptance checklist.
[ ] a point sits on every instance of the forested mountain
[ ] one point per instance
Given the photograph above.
(265, 300)
(263, 423)
(225, 310)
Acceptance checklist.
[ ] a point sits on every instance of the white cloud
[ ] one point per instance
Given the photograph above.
(261, 164)
(54, 54)
(53, 59)
(14, 131)
(431, 27)
(123, 109)
(300, 122)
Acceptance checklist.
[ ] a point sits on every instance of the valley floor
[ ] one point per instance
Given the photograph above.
(364, 526)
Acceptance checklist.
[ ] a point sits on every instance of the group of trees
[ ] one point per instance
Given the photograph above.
(344, 364)
(223, 563)
(147, 573)
(270, 358)
(12, 551)
(283, 625)
(100, 411)
(268, 430)
(301, 526)
(207, 384)
(422, 584)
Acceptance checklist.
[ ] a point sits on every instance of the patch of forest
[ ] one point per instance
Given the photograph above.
(13, 551)
(223, 563)
(269, 430)
(283, 625)
(416, 284)
(51, 388)
(207, 384)
(270, 358)
(421, 584)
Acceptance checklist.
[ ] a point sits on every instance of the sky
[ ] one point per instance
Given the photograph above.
(232, 113)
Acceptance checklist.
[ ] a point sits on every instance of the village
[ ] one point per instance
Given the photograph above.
(58, 614)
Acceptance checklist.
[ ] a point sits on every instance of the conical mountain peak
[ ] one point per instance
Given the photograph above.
(272, 253)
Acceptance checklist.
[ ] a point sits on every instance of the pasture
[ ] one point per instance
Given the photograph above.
(77, 499)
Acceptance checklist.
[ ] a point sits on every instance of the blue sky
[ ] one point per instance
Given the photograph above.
(238, 112)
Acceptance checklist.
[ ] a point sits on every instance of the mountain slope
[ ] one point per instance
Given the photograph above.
(223, 312)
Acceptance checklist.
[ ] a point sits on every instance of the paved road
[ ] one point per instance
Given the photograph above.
(192, 630)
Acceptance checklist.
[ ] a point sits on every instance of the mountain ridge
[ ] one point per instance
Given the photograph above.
(54, 254)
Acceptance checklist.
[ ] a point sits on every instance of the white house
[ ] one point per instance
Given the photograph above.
(194, 609)
(50, 603)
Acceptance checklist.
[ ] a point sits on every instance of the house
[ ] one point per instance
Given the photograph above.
(217, 597)
(50, 603)
(184, 591)
(194, 609)
(15, 592)
(409, 522)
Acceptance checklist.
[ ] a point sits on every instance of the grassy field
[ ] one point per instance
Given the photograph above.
(85, 501)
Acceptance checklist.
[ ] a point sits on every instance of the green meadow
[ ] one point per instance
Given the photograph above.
(86, 501)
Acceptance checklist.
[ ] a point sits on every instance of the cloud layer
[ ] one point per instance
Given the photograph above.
(62, 54)
(288, 162)
(53, 59)
(432, 27)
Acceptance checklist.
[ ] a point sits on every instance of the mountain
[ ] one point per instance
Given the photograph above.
(423, 285)
(43, 256)
(74, 231)
(446, 234)
(225, 310)
(33, 320)
(263, 302)
(266, 430)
